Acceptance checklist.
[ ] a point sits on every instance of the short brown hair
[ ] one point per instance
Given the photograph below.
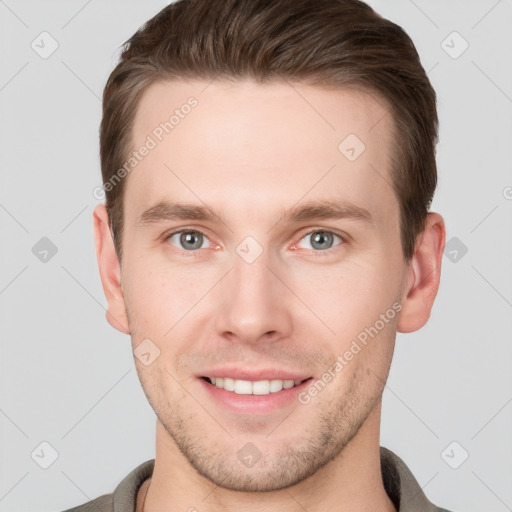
(340, 43)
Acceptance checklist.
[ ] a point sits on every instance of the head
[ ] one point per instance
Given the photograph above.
(279, 210)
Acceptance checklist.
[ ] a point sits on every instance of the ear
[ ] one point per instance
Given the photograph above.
(110, 270)
(423, 275)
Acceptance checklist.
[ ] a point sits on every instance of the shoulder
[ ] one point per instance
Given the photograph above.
(401, 485)
(124, 497)
(103, 503)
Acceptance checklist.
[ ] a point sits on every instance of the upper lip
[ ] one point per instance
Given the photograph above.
(255, 375)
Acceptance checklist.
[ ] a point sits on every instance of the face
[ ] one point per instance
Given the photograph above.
(261, 243)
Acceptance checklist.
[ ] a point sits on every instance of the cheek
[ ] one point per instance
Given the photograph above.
(346, 296)
(159, 295)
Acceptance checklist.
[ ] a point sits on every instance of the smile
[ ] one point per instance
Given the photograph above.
(248, 387)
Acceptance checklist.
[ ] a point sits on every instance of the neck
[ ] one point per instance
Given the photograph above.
(350, 481)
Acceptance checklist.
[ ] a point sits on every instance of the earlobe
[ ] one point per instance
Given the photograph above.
(423, 275)
(110, 271)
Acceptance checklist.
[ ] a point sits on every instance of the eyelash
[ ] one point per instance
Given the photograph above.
(320, 253)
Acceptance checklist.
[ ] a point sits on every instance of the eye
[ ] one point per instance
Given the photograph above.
(319, 240)
(189, 240)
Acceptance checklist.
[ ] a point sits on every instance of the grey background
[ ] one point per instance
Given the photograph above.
(68, 378)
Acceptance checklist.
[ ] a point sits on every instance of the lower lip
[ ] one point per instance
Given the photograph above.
(254, 404)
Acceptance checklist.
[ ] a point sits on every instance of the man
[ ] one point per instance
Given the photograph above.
(268, 169)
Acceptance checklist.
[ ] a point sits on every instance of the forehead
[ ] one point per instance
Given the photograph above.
(260, 145)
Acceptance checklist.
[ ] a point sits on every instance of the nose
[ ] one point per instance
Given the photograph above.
(255, 305)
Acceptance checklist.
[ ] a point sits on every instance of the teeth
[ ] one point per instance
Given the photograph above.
(229, 384)
(243, 387)
(247, 387)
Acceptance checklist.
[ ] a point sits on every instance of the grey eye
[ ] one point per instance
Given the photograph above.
(320, 240)
(189, 240)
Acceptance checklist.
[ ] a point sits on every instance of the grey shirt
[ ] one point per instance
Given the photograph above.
(400, 484)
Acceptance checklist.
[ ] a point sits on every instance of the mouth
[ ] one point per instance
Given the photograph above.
(250, 387)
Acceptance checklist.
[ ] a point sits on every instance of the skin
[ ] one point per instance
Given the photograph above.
(249, 151)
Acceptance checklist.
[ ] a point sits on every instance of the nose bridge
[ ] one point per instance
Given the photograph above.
(253, 302)
(252, 280)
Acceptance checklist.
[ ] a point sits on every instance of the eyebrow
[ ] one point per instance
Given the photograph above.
(312, 210)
